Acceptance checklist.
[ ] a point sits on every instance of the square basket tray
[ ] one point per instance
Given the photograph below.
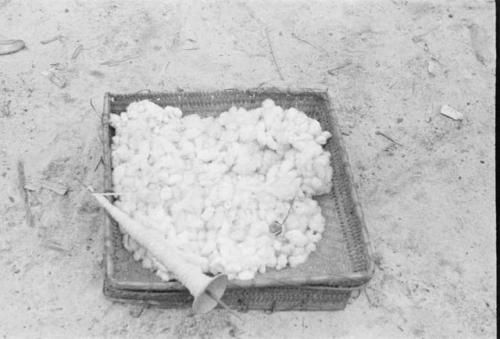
(341, 263)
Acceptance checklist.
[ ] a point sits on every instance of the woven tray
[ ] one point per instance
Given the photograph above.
(341, 262)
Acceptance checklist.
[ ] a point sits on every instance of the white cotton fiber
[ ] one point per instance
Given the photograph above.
(213, 186)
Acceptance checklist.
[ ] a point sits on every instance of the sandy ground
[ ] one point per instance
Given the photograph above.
(389, 66)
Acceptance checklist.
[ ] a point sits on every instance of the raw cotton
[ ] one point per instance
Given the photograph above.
(213, 186)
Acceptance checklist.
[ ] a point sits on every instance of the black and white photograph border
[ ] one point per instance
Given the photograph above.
(405, 90)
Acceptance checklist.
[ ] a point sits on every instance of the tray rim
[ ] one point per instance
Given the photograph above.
(348, 281)
(241, 300)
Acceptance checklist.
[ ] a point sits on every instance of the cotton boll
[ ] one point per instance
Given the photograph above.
(258, 228)
(238, 235)
(166, 226)
(135, 109)
(139, 254)
(260, 130)
(271, 260)
(130, 206)
(296, 238)
(250, 117)
(231, 126)
(314, 127)
(172, 112)
(323, 138)
(246, 251)
(323, 160)
(144, 148)
(271, 143)
(188, 179)
(310, 247)
(313, 236)
(232, 136)
(246, 163)
(207, 249)
(287, 248)
(272, 174)
(147, 263)
(186, 147)
(281, 261)
(192, 121)
(317, 223)
(302, 121)
(163, 275)
(268, 103)
(316, 184)
(271, 116)
(246, 275)
(194, 222)
(299, 250)
(207, 213)
(296, 260)
(129, 243)
(174, 179)
(247, 133)
(116, 120)
(208, 154)
(232, 111)
(232, 271)
(269, 158)
(119, 172)
(156, 213)
(214, 129)
(225, 190)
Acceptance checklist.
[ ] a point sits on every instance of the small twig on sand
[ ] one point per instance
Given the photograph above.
(6, 109)
(77, 52)
(99, 132)
(321, 49)
(223, 304)
(55, 246)
(117, 62)
(54, 187)
(99, 163)
(82, 184)
(58, 80)
(11, 46)
(95, 110)
(370, 303)
(418, 38)
(24, 194)
(137, 312)
(388, 138)
(114, 193)
(48, 41)
(162, 73)
(333, 71)
(145, 90)
(165, 67)
(278, 69)
(93, 107)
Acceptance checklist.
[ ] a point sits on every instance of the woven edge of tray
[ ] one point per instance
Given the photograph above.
(351, 281)
(268, 299)
(370, 271)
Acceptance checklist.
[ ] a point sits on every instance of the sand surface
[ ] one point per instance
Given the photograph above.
(389, 66)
